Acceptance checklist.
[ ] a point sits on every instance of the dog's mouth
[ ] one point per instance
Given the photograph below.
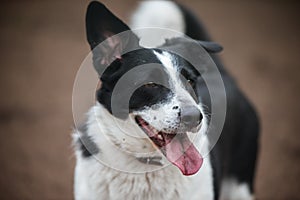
(177, 147)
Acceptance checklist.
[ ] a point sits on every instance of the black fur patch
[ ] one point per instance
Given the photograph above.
(86, 144)
(146, 94)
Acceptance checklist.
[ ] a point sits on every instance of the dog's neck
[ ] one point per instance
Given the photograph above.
(129, 145)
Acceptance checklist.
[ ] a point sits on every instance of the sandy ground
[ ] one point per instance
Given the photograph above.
(42, 46)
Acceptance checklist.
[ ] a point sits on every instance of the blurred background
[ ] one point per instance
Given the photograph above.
(43, 43)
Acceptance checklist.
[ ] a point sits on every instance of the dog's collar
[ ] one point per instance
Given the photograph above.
(155, 160)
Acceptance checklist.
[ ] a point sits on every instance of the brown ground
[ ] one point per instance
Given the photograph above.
(43, 44)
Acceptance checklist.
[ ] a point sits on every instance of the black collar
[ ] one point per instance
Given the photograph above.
(155, 160)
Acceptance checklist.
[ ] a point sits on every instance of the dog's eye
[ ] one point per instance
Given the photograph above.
(191, 82)
(150, 85)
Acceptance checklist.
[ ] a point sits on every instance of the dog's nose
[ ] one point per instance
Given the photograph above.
(191, 116)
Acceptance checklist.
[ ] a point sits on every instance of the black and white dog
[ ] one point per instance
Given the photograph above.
(154, 151)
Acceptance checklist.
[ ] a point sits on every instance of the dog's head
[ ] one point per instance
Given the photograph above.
(161, 84)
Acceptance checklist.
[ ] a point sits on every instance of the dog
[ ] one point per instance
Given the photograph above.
(145, 141)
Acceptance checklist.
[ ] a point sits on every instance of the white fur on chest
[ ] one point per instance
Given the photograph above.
(94, 180)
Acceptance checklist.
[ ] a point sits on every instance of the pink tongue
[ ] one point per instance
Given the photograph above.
(182, 153)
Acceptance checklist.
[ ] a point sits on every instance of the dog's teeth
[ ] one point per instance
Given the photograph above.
(159, 136)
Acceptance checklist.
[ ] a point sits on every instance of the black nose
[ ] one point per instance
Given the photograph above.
(191, 116)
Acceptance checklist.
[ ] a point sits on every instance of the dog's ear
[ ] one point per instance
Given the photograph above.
(211, 47)
(103, 25)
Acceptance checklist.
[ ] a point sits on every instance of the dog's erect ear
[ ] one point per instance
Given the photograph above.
(211, 47)
(102, 25)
